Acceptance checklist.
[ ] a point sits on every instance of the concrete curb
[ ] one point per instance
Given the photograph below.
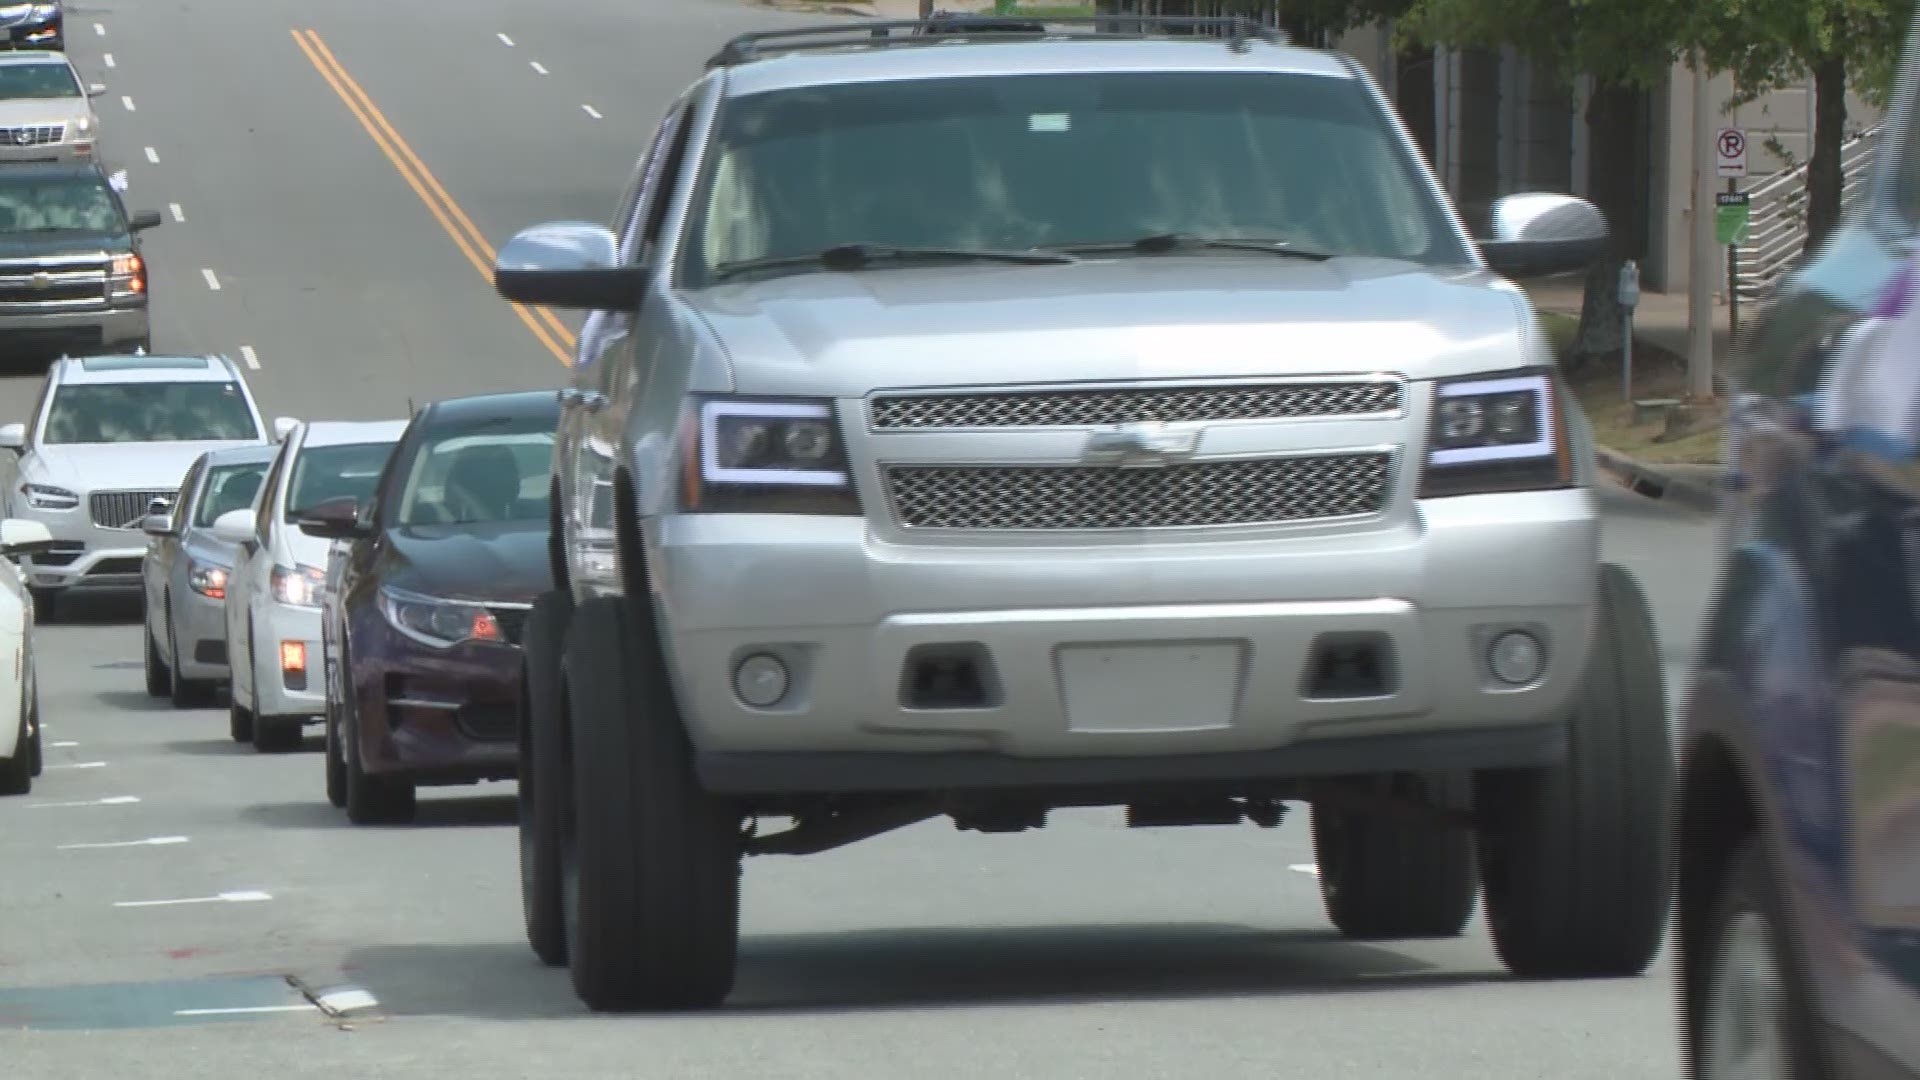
(1655, 483)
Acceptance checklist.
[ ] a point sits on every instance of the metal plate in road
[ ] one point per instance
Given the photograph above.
(123, 1006)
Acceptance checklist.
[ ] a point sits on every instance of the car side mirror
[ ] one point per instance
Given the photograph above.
(234, 527)
(1536, 235)
(157, 525)
(96, 89)
(334, 519)
(143, 222)
(568, 264)
(283, 426)
(19, 536)
(13, 437)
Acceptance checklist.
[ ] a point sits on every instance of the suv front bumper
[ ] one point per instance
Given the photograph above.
(1126, 664)
(100, 328)
(85, 556)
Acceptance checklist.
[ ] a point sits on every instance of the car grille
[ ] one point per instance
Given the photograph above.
(1098, 407)
(122, 509)
(33, 135)
(32, 283)
(1214, 493)
(512, 620)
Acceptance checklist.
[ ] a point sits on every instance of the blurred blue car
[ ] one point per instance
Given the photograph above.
(1799, 817)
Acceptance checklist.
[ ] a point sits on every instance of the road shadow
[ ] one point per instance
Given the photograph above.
(116, 608)
(928, 968)
(470, 811)
(137, 701)
(211, 748)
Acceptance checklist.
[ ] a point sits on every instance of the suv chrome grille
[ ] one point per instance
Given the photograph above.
(1211, 493)
(1172, 404)
(32, 134)
(61, 282)
(122, 509)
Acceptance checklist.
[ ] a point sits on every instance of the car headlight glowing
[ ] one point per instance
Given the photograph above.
(438, 622)
(298, 586)
(207, 579)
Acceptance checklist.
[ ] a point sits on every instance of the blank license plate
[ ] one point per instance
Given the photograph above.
(1191, 686)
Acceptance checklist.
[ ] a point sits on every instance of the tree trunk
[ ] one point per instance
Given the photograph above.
(1826, 182)
(1602, 330)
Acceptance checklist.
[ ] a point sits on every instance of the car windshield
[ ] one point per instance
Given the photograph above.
(83, 202)
(230, 488)
(149, 412)
(472, 478)
(37, 81)
(1017, 162)
(348, 470)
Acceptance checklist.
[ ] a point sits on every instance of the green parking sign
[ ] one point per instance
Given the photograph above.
(1732, 213)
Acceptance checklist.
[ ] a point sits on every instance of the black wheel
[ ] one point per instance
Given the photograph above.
(278, 734)
(371, 800)
(1749, 1004)
(1384, 879)
(240, 723)
(39, 741)
(17, 772)
(336, 764)
(46, 605)
(545, 794)
(187, 693)
(159, 677)
(1575, 861)
(653, 900)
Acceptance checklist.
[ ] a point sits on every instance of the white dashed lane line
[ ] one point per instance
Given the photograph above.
(99, 31)
(538, 70)
(246, 1009)
(1305, 868)
(591, 111)
(212, 282)
(505, 40)
(127, 100)
(108, 58)
(252, 359)
(81, 765)
(151, 841)
(63, 745)
(111, 800)
(244, 897)
(178, 214)
(153, 155)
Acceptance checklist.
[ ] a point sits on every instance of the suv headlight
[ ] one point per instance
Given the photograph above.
(766, 457)
(1496, 433)
(434, 621)
(298, 586)
(207, 579)
(48, 497)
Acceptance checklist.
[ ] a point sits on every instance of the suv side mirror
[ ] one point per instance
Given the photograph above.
(283, 426)
(143, 222)
(13, 437)
(334, 519)
(157, 525)
(1536, 235)
(568, 264)
(234, 527)
(18, 536)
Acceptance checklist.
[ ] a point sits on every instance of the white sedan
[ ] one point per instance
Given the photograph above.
(19, 691)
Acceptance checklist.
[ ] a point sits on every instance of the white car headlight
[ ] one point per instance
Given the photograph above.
(439, 623)
(298, 586)
(83, 125)
(48, 497)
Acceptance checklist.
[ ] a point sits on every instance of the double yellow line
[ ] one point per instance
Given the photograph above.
(543, 323)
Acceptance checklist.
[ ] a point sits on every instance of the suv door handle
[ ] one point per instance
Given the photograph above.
(590, 400)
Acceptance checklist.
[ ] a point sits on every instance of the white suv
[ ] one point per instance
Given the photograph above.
(108, 436)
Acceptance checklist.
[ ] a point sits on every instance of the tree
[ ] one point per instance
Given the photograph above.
(1622, 44)
(1842, 44)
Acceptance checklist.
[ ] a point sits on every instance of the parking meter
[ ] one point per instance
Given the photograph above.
(1628, 295)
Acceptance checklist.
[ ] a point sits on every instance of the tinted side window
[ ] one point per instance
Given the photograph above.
(639, 224)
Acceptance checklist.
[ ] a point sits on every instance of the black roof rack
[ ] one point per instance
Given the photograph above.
(891, 33)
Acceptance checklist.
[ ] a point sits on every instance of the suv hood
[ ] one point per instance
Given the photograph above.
(1150, 317)
(84, 467)
(32, 245)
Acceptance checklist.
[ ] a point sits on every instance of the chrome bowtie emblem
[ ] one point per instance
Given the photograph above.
(24, 136)
(1141, 446)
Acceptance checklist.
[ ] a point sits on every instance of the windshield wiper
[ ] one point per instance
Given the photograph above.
(860, 256)
(1161, 243)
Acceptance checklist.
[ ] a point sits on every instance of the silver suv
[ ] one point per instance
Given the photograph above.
(981, 423)
(109, 441)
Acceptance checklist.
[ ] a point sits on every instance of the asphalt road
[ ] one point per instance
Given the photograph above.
(334, 178)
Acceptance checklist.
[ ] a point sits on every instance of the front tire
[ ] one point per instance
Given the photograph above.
(371, 799)
(545, 794)
(187, 693)
(18, 771)
(1752, 1008)
(1383, 879)
(653, 919)
(1575, 858)
(159, 676)
(46, 605)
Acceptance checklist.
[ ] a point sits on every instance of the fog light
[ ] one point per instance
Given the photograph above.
(1516, 658)
(761, 680)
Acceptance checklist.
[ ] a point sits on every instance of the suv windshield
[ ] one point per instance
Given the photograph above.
(37, 81)
(230, 488)
(1021, 161)
(149, 412)
(350, 470)
(82, 202)
(472, 478)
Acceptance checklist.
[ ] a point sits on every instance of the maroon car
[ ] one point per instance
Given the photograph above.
(422, 620)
